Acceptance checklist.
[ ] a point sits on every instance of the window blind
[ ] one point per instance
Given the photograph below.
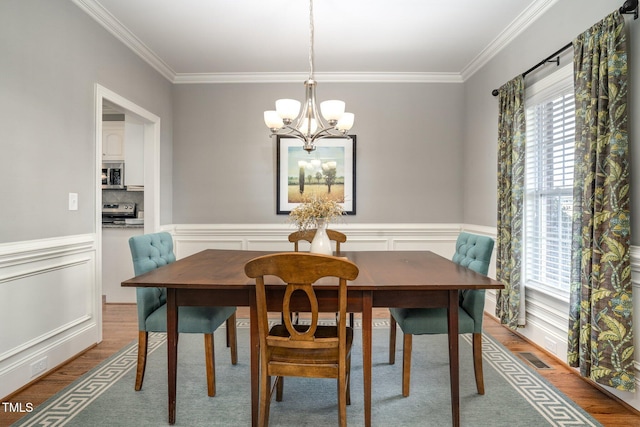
(550, 120)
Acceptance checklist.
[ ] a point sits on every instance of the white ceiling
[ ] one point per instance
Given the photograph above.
(268, 40)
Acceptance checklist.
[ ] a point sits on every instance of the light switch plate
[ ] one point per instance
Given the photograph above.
(73, 201)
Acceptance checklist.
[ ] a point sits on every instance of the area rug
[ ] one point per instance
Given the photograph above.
(515, 394)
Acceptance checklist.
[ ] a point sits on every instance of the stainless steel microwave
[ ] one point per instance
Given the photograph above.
(113, 175)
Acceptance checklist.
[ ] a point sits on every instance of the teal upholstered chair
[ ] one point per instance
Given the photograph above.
(150, 251)
(473, 252)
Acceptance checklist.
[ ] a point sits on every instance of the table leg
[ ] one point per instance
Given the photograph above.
(454, 368)
(172, 350)
(255, 360)
(367, 322)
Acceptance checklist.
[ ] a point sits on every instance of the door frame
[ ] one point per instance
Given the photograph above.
(151, 124)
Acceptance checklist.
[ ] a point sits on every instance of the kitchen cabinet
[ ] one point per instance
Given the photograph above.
(134, 150)
(117, 265)
(123, 141)
(113, 141)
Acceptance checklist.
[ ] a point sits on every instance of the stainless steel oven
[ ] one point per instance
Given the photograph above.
(118, 213)
(113, 175)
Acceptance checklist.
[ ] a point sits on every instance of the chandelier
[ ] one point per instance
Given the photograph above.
(305, 124)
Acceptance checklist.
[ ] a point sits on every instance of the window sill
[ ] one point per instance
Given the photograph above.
(549, 292)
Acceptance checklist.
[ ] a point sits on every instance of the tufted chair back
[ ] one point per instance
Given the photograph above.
(150, 251)
(473, 252)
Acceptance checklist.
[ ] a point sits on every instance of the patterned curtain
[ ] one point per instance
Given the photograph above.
(600, 327)
(511, 156)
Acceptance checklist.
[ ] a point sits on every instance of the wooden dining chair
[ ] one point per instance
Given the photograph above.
(316, 351)
(308, 235)
(151, 251)
(473, 252)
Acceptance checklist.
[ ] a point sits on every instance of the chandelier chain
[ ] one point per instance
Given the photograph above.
(311, 36)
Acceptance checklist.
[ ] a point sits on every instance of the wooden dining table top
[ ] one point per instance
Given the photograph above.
(379, 270)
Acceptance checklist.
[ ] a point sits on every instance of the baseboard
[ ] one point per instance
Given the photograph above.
(19, 374)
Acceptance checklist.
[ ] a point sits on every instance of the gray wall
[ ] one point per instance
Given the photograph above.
(409, 139)
(559, 26)
(53, 55)
(426, 152)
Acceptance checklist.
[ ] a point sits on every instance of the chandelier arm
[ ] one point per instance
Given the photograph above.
(288, 130)
(327, 133)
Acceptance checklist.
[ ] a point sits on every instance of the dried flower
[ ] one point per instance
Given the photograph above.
(314, 208)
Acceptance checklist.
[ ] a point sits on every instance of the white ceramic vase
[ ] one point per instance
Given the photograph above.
(321, 243)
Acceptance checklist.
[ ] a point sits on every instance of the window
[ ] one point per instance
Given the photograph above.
(550, 118)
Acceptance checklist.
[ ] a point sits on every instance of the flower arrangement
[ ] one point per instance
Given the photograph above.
(314, 208)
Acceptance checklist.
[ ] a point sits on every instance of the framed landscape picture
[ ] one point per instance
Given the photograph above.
(329, 170)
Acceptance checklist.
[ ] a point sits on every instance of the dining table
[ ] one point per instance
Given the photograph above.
(215, 277)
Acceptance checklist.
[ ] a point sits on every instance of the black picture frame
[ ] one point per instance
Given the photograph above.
(336, 152)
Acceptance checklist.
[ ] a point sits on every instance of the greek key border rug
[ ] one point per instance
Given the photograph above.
(516, 395)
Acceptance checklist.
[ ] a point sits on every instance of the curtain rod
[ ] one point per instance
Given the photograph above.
(541, 63)
(629, 7)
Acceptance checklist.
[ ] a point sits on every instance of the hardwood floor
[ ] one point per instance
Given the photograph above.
(609, 411)
(120, 328)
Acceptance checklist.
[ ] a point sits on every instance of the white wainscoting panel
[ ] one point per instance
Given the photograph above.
(439, 238)
(49, 306)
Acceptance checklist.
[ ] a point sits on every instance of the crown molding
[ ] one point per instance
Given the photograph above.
(115, 27)
(323, 77)
(521, 23)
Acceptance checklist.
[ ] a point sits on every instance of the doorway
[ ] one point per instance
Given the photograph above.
(108, 101)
